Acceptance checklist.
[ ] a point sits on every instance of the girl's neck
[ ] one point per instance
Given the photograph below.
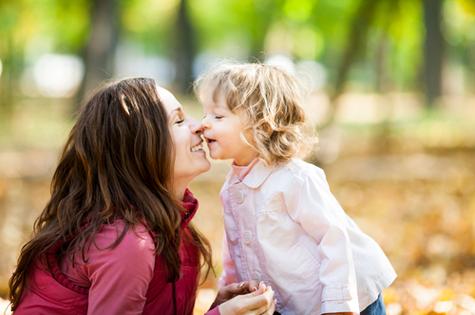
(245, 160)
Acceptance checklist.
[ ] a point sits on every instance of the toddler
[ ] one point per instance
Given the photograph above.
(283, 225)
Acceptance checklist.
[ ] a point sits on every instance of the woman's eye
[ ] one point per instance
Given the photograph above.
(218, 116)
(180, 121)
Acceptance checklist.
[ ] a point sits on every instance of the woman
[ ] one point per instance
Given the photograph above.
(116, 236)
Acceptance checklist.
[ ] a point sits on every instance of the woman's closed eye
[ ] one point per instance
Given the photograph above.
(180, 119)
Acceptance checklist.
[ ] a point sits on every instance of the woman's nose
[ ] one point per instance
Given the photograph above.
(196, 127)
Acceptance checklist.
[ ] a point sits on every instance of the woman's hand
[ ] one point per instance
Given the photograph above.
(234, 289)
(258, 302)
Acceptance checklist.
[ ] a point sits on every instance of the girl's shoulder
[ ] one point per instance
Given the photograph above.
(301, 171)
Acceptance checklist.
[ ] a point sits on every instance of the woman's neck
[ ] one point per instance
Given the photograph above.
(179, 187)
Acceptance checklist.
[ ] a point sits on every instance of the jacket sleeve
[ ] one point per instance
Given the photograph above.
(228, 275)
(310, 203)
(120, 276)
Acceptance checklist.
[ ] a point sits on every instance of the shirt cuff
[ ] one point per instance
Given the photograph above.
(339, 299)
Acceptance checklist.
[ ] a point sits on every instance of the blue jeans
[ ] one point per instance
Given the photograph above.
(376, 308)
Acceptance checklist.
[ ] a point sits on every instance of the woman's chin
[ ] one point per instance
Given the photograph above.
(204, 166)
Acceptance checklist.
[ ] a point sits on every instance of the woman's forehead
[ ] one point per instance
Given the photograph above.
(168, 100)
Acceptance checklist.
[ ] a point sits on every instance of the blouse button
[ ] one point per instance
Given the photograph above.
(239, 197)
(247, 235)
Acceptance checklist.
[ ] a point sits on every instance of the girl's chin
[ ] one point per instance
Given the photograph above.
(215, 155)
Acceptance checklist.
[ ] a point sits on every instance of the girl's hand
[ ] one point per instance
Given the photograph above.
(259, 302)
(234, 289)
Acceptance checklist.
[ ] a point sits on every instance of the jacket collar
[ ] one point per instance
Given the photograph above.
(190, 204)
(258, 174)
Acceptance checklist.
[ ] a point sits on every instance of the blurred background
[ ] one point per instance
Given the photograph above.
(390, 90)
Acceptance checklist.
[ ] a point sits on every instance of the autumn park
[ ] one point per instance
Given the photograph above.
(389, 91)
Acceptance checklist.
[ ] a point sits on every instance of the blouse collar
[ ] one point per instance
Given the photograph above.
(242, 171)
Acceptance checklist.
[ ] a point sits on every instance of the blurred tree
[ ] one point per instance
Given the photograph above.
(433, 50)
(235, 28)
(11, 48)
(9, 73)
(100, 48)
(262, 13)
(184, 43)
(356, 40)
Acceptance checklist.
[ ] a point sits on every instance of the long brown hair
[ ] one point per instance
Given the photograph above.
(117, 164)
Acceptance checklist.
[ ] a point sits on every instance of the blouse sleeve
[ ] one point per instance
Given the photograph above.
(120, 276)
(310, 202)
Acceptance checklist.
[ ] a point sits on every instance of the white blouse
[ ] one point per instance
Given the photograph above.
(284, 227)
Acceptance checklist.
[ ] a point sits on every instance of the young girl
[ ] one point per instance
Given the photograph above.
(283, 225)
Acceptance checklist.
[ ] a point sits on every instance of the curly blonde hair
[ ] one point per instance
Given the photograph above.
(269, 102)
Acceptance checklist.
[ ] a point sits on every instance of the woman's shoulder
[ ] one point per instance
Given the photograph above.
(114, 249)
(125, 242)
(131, 234)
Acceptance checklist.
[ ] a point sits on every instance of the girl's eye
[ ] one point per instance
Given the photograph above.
(180, 121)
(218, 116)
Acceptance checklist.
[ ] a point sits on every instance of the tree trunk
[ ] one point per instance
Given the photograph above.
(7, 76)
(433, 50)
(101, 46)
(355, 44)
(184, 48)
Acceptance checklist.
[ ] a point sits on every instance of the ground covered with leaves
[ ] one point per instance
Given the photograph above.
(411, 186)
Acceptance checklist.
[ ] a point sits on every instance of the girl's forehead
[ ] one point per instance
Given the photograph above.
(214, 100)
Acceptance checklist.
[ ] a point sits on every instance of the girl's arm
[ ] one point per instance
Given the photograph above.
(310, 203)
(120, 276)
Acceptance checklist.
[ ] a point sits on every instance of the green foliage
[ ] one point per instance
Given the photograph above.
(250, 29)
(61, 25)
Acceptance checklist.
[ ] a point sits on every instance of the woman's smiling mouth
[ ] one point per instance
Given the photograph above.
(198, 147)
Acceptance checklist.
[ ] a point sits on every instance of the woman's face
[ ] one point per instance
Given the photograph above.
(190, 158)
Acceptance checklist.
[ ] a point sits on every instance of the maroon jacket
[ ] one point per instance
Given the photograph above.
(162, 297)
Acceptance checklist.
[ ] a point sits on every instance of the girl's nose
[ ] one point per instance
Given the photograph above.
(204, 123)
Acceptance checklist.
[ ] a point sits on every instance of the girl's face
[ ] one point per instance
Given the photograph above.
(222, 130)
(190, 158)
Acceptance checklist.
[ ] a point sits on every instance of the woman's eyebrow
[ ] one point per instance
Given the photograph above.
(176, 112)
